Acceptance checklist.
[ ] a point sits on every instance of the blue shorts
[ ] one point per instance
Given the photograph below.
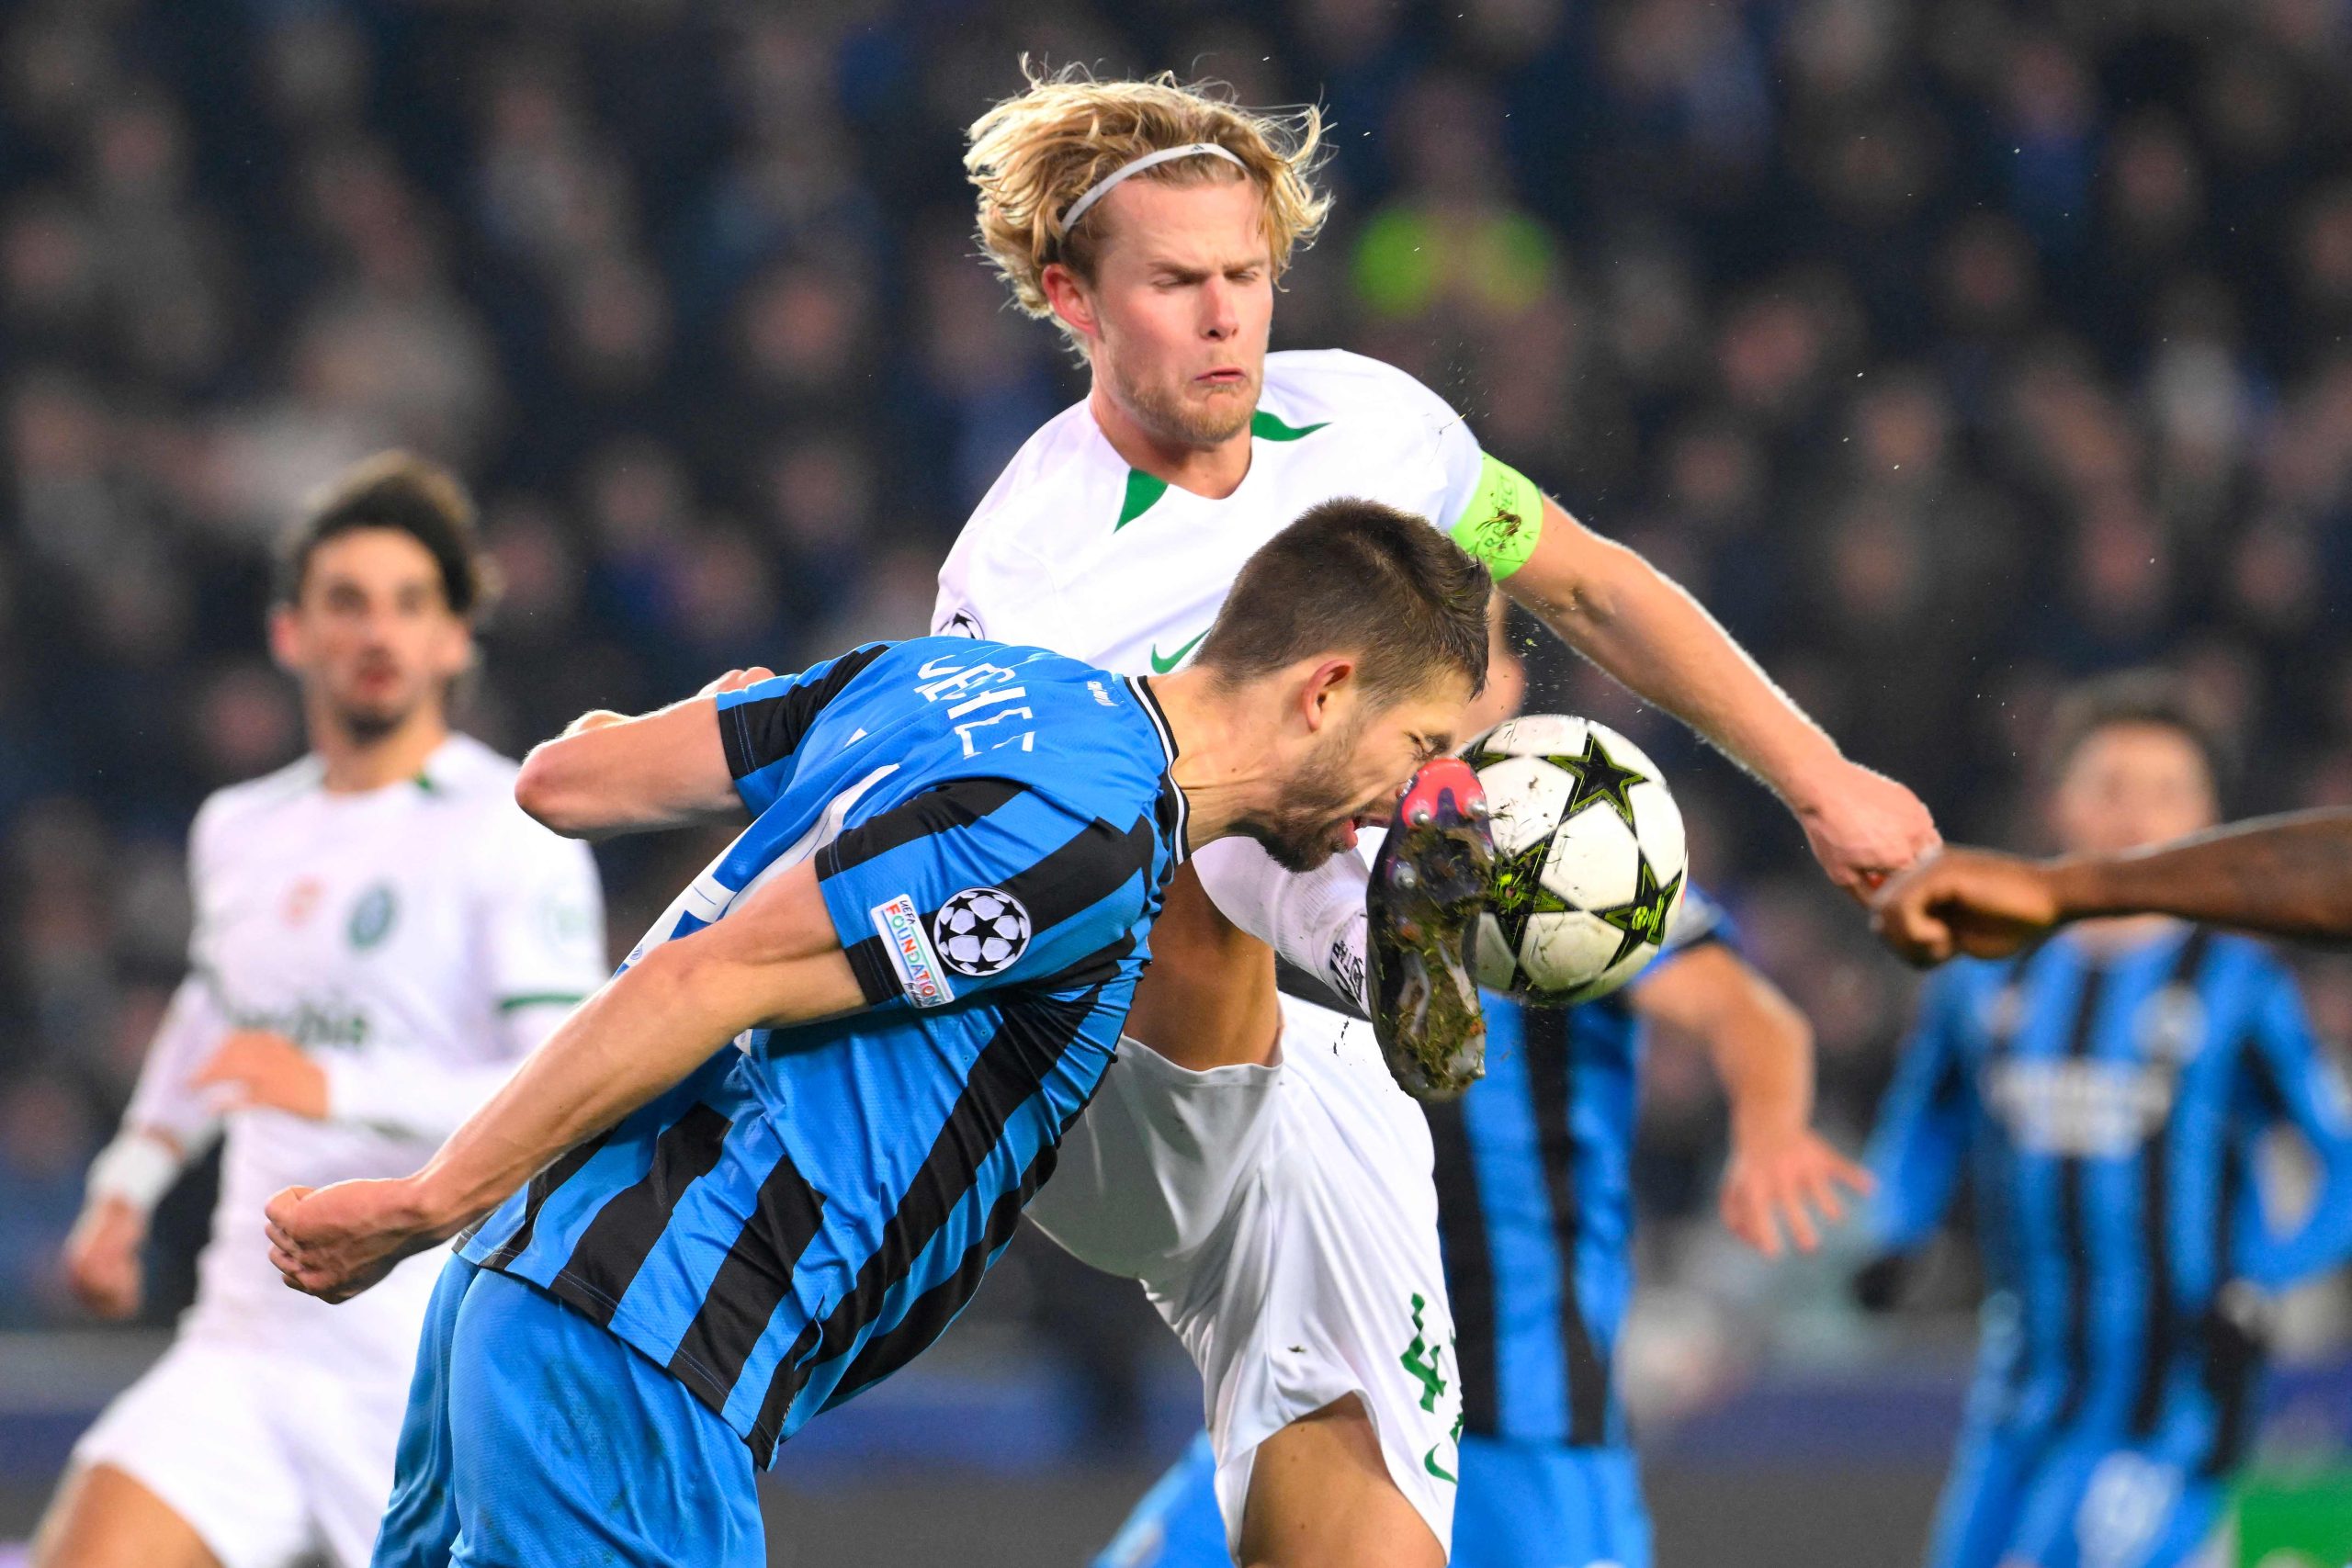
(1520, 1505)
(536, 1439)
(2085, 1501)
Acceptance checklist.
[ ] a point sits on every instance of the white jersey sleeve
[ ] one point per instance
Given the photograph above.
(193, 1025)
(538, 927)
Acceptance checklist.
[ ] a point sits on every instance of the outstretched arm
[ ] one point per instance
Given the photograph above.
(1625, 616)
(1782, 1173)
(2286, 876)
(607, 773)
(775, 959)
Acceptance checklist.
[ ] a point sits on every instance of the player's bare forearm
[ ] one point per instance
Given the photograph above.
(1760, 1043)
(1625, 616)
(773, 961)
(607, 773)
(1641, 627)
(1781, 1176)
(2287, 876)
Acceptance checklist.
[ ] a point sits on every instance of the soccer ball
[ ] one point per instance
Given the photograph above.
(1589, 859)
(981, 930)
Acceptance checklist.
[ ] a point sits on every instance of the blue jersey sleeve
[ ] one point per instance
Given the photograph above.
(1923, 1124)
(2291, 1081)
(761, 726)
(983, 883)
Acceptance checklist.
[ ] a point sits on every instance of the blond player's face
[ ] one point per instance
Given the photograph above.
(1183, 300)
(370, 632)
(2133, 785)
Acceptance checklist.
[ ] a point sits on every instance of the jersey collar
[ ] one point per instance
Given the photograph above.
(1173, 794)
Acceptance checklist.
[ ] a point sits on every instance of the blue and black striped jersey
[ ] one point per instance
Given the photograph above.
(1534, 1176)
(993, 829)
(2107, 1112)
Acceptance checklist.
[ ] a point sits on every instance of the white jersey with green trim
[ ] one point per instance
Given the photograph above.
(416, 941)
(1074, 550)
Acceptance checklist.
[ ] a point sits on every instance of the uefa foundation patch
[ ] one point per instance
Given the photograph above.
(921, 975)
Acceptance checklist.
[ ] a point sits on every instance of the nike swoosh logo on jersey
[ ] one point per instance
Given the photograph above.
(1162, 666)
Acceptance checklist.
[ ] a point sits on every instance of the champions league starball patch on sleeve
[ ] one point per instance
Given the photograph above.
(981, 931)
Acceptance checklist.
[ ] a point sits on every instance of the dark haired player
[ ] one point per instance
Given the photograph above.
(775, 1157)
(2108, 1091)
(380, 934)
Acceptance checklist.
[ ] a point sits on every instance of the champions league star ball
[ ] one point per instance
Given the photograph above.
(1589, 859)
(981, 931)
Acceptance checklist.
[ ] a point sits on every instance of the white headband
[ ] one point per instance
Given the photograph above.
(1104, 186)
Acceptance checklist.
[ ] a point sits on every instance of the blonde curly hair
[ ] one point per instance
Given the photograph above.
(1034, 153)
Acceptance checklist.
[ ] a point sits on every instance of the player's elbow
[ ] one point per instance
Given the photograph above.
(550, 790)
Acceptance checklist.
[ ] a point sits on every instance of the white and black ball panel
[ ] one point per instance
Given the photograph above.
(1595, 862)
(1525, 797)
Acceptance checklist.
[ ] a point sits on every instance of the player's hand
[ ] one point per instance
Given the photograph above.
(1864, 827)
(256, 1070)
(1970, 901)
(102, 1262)
(1789, 1183)
(335, 1242)
(735, 679)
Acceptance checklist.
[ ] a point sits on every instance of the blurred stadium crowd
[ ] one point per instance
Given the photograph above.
(1948, 350)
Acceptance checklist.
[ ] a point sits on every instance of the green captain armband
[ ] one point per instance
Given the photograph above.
(1503, 521)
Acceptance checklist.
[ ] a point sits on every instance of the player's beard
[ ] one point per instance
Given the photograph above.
(1171, 417)
(1303, 831)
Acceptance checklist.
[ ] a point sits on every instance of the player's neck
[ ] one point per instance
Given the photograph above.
(1221, 756)
(356, 764)
(2111, 938)
(1212, 472)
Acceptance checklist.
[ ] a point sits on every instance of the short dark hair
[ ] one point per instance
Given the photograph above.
(400, 490)
(1361, 577)
(2154, 697)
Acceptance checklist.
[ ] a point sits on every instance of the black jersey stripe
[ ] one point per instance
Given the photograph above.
(627, 1228)
(928, 1315)
(1469, 1271)
(768, 729)
(1552, 1087)
(554, 1175)
(2072, 1228)
(2161, 1342)
(751, 1284)
(1028, 1044)
(942, 809)
(2232, 1358)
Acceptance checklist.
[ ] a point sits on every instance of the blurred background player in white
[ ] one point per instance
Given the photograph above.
(380, 935)
(1150, 222)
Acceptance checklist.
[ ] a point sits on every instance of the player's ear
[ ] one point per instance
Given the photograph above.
(1071, 299)
(286, 637)
(1328, 682)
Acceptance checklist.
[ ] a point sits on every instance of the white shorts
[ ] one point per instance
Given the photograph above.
(1284, 1221)
(268, 1458)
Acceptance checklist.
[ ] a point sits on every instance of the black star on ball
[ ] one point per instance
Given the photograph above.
(1643, 919)
(1518, 892)
(1600, 780)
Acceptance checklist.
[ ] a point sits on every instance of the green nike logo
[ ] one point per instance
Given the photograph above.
(1162, 666)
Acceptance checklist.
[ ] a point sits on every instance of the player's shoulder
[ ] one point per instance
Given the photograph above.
(1064, 457)
(474, 785)
(1304, 386)
(2246, 958)
(228, 811)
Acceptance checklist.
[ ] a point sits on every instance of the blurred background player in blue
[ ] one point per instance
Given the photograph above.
(1535, 1214)
(2110, 1092)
